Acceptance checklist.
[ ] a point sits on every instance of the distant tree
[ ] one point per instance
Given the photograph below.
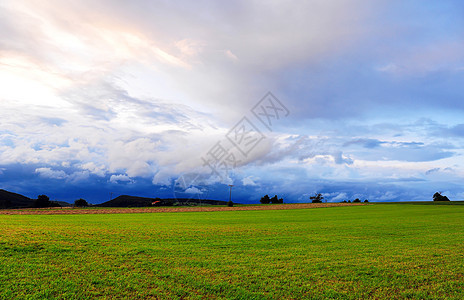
(265, 200)
(349, 201)
(81, 203)
(356, 200)
(275, 200)
(439, 197)
(344, 201)
(281, 200)
(42, 201)
(317, 198)
(366, 201)
(230, 203)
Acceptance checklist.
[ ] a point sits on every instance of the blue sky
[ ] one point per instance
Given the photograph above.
(121, 97)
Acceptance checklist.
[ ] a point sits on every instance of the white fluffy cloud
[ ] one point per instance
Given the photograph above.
(249, 181)
(193, 190)
(120, 178)
(49, 173)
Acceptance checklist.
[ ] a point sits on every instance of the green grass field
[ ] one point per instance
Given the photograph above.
(375, 251)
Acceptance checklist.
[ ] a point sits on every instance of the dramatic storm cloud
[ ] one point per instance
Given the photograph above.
(101, 97)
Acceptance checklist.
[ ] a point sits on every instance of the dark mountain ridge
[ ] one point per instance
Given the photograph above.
(134, 201)
(13, 200)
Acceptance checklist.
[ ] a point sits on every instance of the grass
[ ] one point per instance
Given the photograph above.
(375, 251)
(454, 202)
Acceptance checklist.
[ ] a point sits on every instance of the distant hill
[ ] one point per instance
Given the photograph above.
(125, 201)
(13, 200)
(63, 203)
(133, 201)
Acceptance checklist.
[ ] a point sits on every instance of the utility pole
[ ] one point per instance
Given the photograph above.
(230, 192)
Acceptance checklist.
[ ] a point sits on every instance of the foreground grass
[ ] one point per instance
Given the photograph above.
(375, 251)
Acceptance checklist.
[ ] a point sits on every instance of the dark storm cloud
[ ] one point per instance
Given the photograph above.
(402, 151)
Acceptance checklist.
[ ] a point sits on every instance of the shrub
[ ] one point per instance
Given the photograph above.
(366, 201)
(42, 201)
(317, 198)
(439, 197)
(81, 203)
(230, 203)
(265, 200)
(275, 200)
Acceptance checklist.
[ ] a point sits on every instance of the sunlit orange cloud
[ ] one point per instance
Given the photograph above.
(25, 82)
(90, 48)
(74, 55)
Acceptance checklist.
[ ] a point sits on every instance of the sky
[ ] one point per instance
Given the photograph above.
(351, 99)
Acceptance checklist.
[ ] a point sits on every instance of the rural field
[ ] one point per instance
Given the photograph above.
(347, 252)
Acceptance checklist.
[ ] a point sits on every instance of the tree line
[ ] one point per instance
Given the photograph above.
(43, 201)
(274, 200)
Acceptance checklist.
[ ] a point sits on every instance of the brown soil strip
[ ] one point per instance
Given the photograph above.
(75, 211)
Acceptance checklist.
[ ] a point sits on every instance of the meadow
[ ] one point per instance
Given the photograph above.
(352, 252)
